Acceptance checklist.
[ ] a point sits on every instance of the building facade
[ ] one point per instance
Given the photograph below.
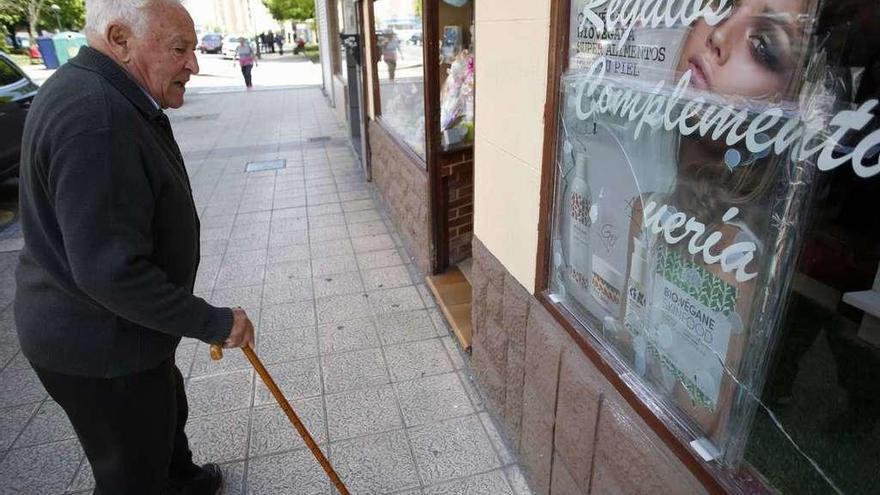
(651, 223)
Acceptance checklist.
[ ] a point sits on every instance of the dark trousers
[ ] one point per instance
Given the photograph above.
(131, 428)
(246, 72)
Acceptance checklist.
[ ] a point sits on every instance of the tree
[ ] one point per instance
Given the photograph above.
(35, 14)
(290, 10)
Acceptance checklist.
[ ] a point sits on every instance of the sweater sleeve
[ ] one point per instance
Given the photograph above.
(104, 205)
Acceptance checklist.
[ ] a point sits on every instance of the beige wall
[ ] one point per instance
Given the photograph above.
(512, 39)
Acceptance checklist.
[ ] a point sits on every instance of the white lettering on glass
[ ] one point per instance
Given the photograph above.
(729, 123)
(628, 14)
(733, 258)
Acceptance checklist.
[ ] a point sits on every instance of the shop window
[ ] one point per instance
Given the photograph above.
(400, 69)
(456, 74)
(715, 228)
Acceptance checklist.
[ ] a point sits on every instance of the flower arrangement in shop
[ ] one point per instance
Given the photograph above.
(457, 100)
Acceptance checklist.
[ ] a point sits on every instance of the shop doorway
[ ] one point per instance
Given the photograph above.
(452, 90)
(352, 39)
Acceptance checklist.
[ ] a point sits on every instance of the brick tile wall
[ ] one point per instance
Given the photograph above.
(574, 433)
(458, 176)
(403, 184)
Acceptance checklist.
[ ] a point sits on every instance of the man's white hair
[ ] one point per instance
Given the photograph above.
(132, 13)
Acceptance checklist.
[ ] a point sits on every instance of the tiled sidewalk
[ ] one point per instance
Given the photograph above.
(345, 325)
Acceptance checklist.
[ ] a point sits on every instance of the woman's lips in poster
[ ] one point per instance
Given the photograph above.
(700, 77)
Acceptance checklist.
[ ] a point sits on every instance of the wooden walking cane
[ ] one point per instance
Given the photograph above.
(217, 354)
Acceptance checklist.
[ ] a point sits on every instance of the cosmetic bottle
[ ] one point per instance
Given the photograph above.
(576, 230)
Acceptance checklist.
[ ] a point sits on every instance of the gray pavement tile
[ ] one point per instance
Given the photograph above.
(290, 194)
(213, 247)
(218, 437)
(345, 187)
(342, 308)
(233, 478)
(322, 199)
(282, 254)
(220, 209)
(203, 365)
(386, 278)
(433, 399)
(413, 360)
(272, 432)
(353, 335)
(256, 217)
(492, 483)
(470, 386)
(287, 345)
(358, 205)
(185, 356)
(217, 221)
(314, 190)
(278, 214)
(331, 220)
(334, 264)
(362, 412)
(291, 224)
(284, 316)
(504, 453)
(281, 272)
(246, 258)
(330, 249)
(210, 234)
(354, 370)
(337, 284)
(353, 196)
(19, 387)
(248, 244)
(8, 351)
(440, 322)
(324, 209)
(84, 481)
(18, 362)
(376, 464)
(295, 237)
(379, 259)
(410, 326)
(427, 296)
(296, 379)
(517, 480)
(264, 205)
(452, 449)
(289, 290)
(362, 216)
(41, 469)
(363, 229)
(332, 233)
(396, 300)
(214, 394)
(50, 424)
(291, 472)
(246, 230)
(13, 421)
(372, 243)
(454, 352)
(239, 276)
(245, 297)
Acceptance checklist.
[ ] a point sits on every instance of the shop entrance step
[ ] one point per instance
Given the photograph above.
(453, 293)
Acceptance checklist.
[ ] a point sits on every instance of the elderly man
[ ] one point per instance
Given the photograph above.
(104, 285)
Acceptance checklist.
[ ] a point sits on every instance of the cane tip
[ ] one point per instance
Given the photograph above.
(216, 352)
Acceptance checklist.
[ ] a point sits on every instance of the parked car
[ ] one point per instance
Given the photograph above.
(211, 43)
(416, 38)
(230, 43)
(17, 92)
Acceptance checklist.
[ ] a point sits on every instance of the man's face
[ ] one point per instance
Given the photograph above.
(163, 57)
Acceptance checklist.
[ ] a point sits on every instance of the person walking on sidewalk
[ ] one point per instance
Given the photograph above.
(104, 285)
(244, 53)
(279, 40)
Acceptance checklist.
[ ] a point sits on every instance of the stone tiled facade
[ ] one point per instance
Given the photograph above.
(574, 433)
(403, 184)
